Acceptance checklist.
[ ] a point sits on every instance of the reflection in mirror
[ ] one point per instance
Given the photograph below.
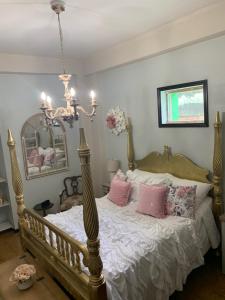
(44, 147)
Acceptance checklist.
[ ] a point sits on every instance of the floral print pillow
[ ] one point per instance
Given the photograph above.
(181, 201)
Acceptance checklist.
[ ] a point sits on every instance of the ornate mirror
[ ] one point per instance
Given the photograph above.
(44, 147)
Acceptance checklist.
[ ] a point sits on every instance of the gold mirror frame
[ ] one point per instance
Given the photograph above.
(51, 170)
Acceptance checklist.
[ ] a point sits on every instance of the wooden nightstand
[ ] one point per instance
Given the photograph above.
(105, 188)
(44, 287)
(222, 220)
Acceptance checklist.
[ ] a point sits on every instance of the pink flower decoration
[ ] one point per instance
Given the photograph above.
(111, 122)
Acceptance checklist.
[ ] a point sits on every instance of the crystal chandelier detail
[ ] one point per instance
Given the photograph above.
(70, 112)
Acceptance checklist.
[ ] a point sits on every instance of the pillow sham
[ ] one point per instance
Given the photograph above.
(152, 200)
(119, 192)
(141, 176)
(181, 201)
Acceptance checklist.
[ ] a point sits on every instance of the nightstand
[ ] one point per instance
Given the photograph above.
(222, 220)
(105, 188)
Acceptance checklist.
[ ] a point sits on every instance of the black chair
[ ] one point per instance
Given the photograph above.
(72, 193)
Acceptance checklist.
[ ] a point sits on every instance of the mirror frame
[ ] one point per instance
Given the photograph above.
(204, 84)
(53, 171)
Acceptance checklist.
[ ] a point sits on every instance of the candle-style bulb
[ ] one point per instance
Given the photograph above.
(72, 92)
(92, 94)
(49, 100)
(43, 96)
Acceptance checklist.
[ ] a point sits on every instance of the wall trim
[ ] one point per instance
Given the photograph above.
(14, 63)
(203, 24)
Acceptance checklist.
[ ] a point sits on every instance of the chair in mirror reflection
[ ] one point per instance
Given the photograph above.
(44, 147)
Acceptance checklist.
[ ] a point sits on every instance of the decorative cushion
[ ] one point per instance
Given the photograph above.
(32, 156)
(152, 200)
(49, 156)
(137, 177)
(38, 160)
(181, 201)
(119, 191)
(202, 188)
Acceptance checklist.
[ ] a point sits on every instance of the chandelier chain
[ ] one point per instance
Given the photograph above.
(61, 43)
(72, 110)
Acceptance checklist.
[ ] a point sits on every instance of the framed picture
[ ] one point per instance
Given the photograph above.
(183, 105)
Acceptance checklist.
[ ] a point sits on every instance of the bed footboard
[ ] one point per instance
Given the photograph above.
(64, 257)
(78, 267)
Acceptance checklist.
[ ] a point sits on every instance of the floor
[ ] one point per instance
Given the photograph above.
(205, 283)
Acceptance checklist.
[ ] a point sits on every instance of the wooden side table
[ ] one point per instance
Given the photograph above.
(44, 287)
(43, 206)
(222, 220)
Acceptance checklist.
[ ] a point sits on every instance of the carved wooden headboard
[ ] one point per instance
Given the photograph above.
(177, 165)
(181, 166)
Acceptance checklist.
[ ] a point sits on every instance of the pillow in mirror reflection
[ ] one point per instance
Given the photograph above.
(70, 202)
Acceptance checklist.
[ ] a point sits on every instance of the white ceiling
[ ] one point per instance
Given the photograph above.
(29, 27)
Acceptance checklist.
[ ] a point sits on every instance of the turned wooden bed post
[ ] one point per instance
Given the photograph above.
(217, 169)
(91, 224)
(130, 146)
(16, 182)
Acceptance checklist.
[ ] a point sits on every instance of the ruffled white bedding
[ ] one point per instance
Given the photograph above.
(143, 257)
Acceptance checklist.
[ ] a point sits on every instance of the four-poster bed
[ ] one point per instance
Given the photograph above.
(78, 267)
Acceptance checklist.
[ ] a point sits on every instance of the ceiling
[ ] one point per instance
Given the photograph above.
(29, 27)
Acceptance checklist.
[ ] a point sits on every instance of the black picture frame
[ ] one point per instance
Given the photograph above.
(204, 84)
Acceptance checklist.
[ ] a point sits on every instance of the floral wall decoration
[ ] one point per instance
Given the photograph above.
(116, 120)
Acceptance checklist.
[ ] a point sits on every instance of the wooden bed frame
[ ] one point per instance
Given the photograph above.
(61, 254)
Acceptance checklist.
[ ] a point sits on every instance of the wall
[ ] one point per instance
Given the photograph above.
(133, 88)
(19, 99)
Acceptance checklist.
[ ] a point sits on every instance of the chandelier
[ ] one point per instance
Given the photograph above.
(70, 112)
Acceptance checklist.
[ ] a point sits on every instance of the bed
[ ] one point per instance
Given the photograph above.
(154, 255)
(130, 271)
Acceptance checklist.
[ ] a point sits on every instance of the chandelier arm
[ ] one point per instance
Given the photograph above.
(90, 115)
(52, 114)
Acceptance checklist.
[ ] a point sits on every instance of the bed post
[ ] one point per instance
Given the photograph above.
(130, 145)
(91, 224)
(217, 169)
(16, 182)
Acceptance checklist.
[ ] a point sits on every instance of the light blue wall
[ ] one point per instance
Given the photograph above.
(19, 99)
(134, 88)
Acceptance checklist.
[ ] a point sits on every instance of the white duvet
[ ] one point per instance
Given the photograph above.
(143, 257)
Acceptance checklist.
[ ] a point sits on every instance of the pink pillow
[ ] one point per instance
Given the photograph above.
(38, 160)
(152, 200)
(32, 156)
(119, 191)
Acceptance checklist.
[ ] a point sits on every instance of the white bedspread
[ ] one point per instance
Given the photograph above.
(143, 257)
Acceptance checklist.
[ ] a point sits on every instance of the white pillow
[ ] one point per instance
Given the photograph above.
(202, 188)
(121, 175)
(59, 155)
(137, 176)
(140, 175)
